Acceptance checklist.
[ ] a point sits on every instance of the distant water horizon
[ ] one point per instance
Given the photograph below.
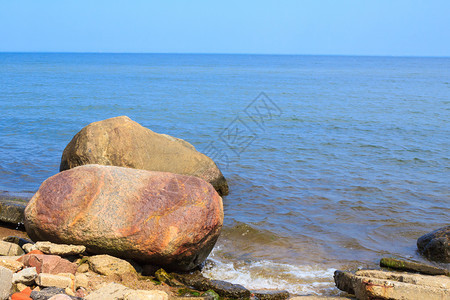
(236, 53)
(348, 162)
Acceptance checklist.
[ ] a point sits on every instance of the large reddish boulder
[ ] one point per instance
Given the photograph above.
(124, 143)
(159, 218)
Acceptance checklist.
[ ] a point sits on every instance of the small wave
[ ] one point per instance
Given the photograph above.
(254, 275)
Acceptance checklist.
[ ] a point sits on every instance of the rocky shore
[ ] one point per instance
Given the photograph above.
(134, 215)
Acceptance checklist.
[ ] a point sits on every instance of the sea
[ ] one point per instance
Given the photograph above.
(333, 162)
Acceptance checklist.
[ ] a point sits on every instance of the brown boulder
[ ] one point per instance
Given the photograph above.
(124, 143)
(158, 218)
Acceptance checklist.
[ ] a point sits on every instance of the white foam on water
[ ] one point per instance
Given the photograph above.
(298, 280)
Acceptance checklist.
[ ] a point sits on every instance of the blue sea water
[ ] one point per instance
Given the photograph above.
(340, 161)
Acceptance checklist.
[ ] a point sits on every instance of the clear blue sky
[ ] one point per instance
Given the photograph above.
(343, 27)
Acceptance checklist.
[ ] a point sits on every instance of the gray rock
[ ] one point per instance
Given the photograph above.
(10, 249)
(5, 282)
(12, 211)
(49, 292)
(410, 266)
(436, 245)
(25, 276)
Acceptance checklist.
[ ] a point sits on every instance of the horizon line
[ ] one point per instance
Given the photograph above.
(219, 53)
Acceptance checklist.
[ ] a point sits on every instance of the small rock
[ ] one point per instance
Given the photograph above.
(223, 288)
(10, 249)
(10, 262)
(51, 264)
(60, 297)
(20, 296)
(20, 287)
(12, 211)
(48, 292)
(81, 292)
(49, 280)
(227, 289)
(17, 240)
(343, 281)
(81, 280)
(29, 247)
(110, 265)
(145, 295)
(436, 245)
(162, 276)
(110, 291)
(69, 291)
(26, 276)
(410, 266)
(211, 295)
(83, 268)
(5, 282)
(60, 249)
(270, 294)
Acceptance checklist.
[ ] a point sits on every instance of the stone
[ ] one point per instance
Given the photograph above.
(29, 247)
(20, 287)
(81, 280)
(49, 280)
(270, 294)
(20, 296)
(435, 245)
(10, 262)
(51, 264)
(5, 282)
(124, 143)
(159, 218)
(26, 276)
(211, 295)
(60, 297)
(343, 281)
(12, 211)
(83, 268)
(375, 284)
(223, 288)
(110, 291)
(145, 295)
(410, 266)
(109, 265)
(48, 292)
(60, 249)
(162, 276)
(17, 240)
(69, 291)
(10, 249)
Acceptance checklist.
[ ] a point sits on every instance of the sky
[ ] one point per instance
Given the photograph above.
(345, 27)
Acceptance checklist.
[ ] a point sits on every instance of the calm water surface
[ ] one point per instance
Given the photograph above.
(352, 164)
